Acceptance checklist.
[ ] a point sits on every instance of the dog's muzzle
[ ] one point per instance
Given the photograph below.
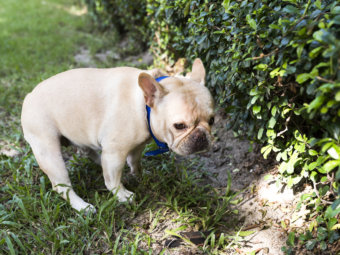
(198, 141)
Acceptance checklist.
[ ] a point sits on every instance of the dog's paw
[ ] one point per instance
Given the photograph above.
(90, 209)
(84, 207)
(124, 195)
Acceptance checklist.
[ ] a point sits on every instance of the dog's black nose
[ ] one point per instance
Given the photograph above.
(199, 141)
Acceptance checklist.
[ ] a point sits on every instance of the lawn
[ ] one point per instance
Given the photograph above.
(39, 38)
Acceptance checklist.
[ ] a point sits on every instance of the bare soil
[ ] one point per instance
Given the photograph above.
(267, 207)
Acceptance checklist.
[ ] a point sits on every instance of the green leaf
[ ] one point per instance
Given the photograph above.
(246, 233)
(283, 167)
(324, 179)
(324, 110)
(292, 161)
(332, 210)
(333, 153)
(318, 4)
(323, 245)
(274, 109)
(312, 176)
(301, 78)
(300, 147)
(310, 244)
(323, 190)
(290, 182)
(290, 9)
(260, 133)
(337, 96)
(277, 72)
(312, 166)
(312, 152)
(326, 146)
(266, 150)
(315, 52)
(316, 103)
(291, 239)
(256, 109)
(290, 1)
(254, 99)
(272, 122)
(187, 9)
(299, 49)
(261, 67)
(318, 35)
(271, 133)
(335, 227)
(331, 222)
(305, 197)
(336, 19)
(321, 233)
(330, 165)
(251, 22)
(253, 92)
(268, 177)
(336, 10)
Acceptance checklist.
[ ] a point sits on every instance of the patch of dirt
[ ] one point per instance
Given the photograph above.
(143, 58)
(233, 155)
(9, 150)
(86, 59)
(156, 232)
(267, 208)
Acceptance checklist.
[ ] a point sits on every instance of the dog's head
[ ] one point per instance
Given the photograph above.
(182, 110)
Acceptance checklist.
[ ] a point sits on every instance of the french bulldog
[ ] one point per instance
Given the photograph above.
(104, 110)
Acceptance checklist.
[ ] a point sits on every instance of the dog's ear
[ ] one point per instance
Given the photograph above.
(151, 88)
(198, 71)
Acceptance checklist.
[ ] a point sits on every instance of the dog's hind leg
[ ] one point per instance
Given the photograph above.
(47, 151)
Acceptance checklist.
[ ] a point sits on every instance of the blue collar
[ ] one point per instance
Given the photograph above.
(162, 147)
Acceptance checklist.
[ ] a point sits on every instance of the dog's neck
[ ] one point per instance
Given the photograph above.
(162, 147)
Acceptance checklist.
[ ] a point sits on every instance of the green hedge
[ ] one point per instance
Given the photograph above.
(274, 67)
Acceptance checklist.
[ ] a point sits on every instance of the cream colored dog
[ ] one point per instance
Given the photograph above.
(104, 110)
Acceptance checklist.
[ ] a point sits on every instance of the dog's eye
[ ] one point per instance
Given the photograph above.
(211, 121)
(180, 126)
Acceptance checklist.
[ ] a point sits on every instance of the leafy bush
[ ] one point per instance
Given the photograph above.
(274, 67)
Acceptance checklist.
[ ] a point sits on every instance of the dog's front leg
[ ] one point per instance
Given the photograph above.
(113, 163)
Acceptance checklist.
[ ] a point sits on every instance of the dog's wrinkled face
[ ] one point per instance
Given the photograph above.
(187, 115)
(182, 110)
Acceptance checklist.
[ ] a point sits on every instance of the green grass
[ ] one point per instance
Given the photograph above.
(39, 39)
(34, 219)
